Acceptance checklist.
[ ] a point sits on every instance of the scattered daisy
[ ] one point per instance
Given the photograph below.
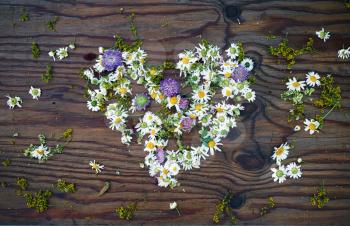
(312, 79)
(53, 55)
(35, 92)
(95, 166)
(295, 85)
(279, 174)
(297, 128)
(322, 34)
(293, 170)
(300, 160)
(344, 53)
(40, 152)
(311, 125)
(173, 205)
(72, 46)
(14, 102)
(213, 145)
(248, 64)
(62, 53)
(281, 152)
(233, 51)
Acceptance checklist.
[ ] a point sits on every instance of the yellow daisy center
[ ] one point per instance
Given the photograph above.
(228, 92)
(313, 78)
(312, 126)
(198, 107)
(40, 151)
(165, 171)
(201, 94)
(193, 116)
(173, 100)
(185, 60)
(153, 71)
(295, 84)
(117, 120)
(219, 109)
(211, 144)
(279, 151)
(227, 74)
(150, 145)
(122, 90)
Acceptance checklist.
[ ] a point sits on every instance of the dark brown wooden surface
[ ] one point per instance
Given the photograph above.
(243, 166)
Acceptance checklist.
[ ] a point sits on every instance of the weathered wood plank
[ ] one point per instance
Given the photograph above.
(243, 166)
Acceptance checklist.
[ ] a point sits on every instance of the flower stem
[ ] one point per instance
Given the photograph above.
(329, 112)
(178, 211)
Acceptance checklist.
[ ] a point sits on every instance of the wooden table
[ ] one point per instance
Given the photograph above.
(167, 27)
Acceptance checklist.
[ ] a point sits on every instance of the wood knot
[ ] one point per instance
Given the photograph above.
(237, 201)
(232, 12)
(90, 56)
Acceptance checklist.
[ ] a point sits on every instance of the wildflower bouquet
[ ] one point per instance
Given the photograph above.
(208, 98)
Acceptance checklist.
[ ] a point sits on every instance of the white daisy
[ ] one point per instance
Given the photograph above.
(14, 102)
(281, 152)
(213, 145)
(311, 125)
(227, 92)
(279, 174)
(248, 64)
(95, 166)
(248, 94)
(174, 169)
(72, 46)
(294, 85)
(312, 79)
(293, 170)
(200, 151)
(117, 122)
(62, 53)
(322, 34)
(35, 92)
(53, 55)
(150, 145)
(344, 53)
(300, 160)
(201, 95)
(93, 105)
(174, 102)
(297, 128)
(233, 51)
(186, 61)
(173, 205)
(40, 152)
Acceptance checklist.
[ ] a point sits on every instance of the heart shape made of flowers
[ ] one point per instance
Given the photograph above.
(205, 72)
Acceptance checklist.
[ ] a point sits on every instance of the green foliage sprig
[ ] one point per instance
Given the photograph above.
(6, 162)
(35, 50)
(126, 212)
(223, 209)
(330, 94)
(39, 200)
(289, 54)
(47, 75)
(22, 183)
(133, 28)
(64, 186)
(24, 15)
(123, 46)
(270, 205)
(320, 199)
(51, 24)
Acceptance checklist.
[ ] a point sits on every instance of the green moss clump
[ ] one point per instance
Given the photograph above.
(3, 184)
(64, 186)
(51, 24)
(347, 4)
(67, 134)
(6, 162)
(168, 65)
(320, 199)
(24, 15)
(22, 183)
(330, 94)
(35, 50)
(223, 208)
(47, 76)
(271, 204)
(133, 28)
(39, 201)
(288, 53)
(123, 46)
(126, 212)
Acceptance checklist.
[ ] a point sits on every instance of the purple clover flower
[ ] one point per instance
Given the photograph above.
(187, 123)
(240, 74)
(112, 59)
(160, 155)
(169, 87)
(184, 102)
(141, 101)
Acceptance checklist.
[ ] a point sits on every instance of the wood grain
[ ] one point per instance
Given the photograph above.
(244, 165)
